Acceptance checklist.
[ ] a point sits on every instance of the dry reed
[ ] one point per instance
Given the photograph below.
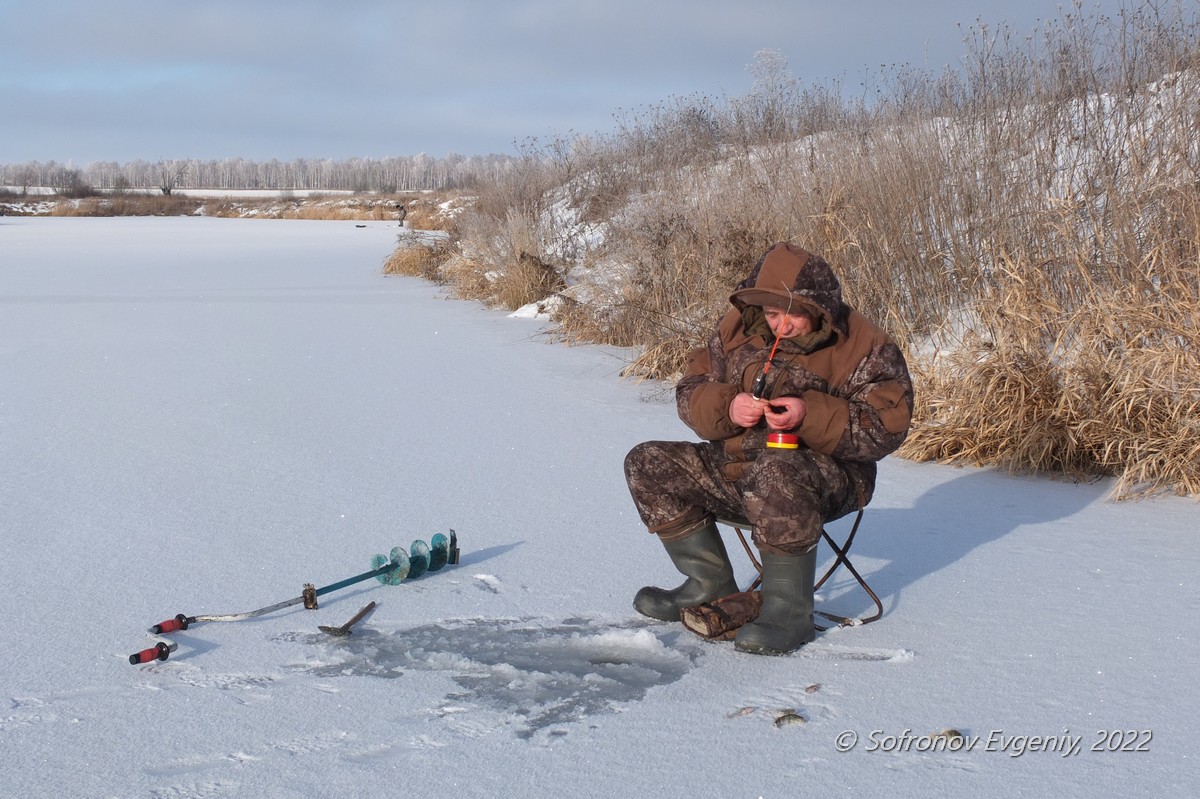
(1028, 229)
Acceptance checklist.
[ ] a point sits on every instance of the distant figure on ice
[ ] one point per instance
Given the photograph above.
(401, 213)
(797, 396)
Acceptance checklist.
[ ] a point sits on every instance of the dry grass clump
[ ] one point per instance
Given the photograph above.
(467, 279)
(126, 205)
(1090, 368)
(81, 208)
(523, 280)
(423, 258)
(363, 208)
(529, 279)
(992, 400)
(329, 212)
(1117, 393)
(1139, 355)
(434, 210)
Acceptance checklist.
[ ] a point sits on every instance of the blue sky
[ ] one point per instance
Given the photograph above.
(83, 81)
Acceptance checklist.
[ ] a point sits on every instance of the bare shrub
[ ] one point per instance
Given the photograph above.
(510, 233)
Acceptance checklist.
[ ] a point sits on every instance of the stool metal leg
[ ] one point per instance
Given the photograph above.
(841, 558)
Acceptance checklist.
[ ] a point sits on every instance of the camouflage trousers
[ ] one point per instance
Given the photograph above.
(786, 495)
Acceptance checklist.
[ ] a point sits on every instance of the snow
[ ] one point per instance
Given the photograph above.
(201, 415)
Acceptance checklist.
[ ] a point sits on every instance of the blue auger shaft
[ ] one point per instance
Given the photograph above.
(386, 568)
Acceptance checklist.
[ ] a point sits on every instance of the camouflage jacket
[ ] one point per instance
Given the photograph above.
(850, 374)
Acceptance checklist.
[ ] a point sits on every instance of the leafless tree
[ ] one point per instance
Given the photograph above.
(170, 175)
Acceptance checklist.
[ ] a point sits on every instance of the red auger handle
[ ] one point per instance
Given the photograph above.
(160, 651)
(180, 622)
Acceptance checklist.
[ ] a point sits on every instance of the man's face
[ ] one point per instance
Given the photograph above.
(788, 325)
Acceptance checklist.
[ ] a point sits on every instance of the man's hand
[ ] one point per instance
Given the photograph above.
(785, 413)
(745, 410)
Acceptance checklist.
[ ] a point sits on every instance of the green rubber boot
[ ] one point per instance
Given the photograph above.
(786, 621)
(701, 557)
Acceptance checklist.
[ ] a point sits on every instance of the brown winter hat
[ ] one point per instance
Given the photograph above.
(791, 277)
(776, 278)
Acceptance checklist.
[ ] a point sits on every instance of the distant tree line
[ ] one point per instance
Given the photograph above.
(384, 175)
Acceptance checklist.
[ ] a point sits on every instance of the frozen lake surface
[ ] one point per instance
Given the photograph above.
(199, 416)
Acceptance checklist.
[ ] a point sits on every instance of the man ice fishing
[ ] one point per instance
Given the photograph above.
(789, 358)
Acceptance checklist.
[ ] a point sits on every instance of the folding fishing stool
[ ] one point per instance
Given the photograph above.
(841, 557)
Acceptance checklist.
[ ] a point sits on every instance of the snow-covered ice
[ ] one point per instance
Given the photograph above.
(201, 415)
